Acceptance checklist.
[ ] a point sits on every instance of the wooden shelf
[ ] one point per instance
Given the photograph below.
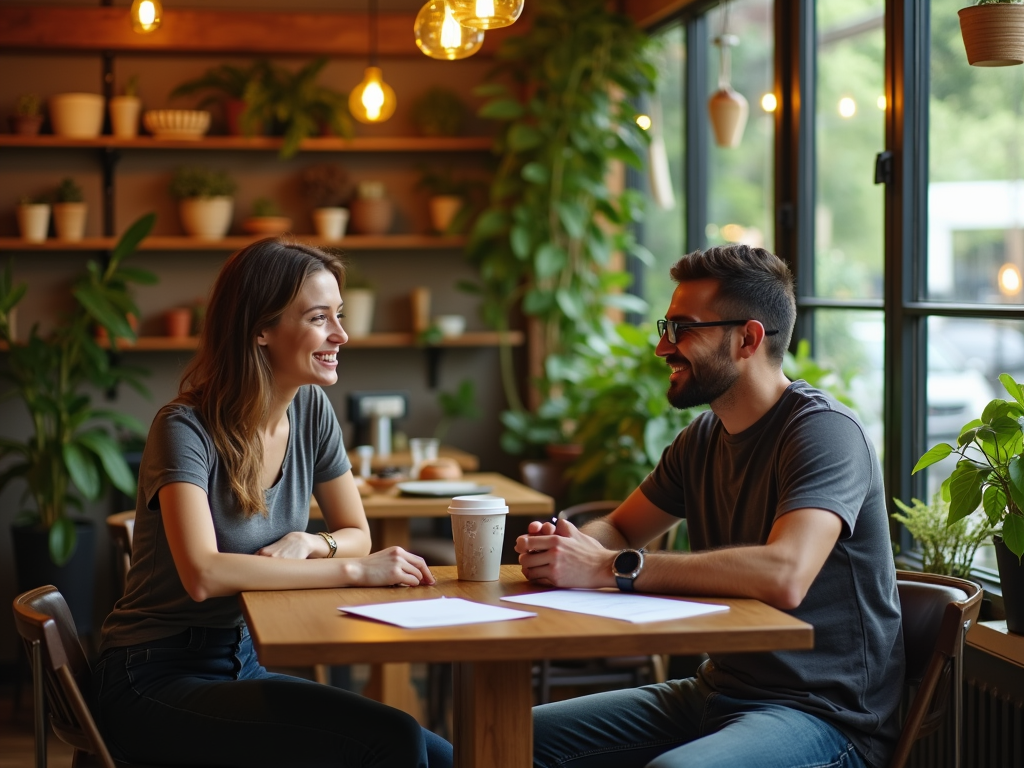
(236, 242)
(261, 143)
(373, 341)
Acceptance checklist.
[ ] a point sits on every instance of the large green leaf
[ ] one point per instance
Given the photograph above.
(1016, 484)
(550, 260)
(100, 309)
(62, 540)
(131, 239)
(994, 503)
(933, 455)
(1013, 534)
(83, 470)
(112, 459)
(502, 109)
(965, 485)
(1012, 387)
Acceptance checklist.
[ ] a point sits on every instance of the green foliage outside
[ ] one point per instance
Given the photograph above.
(71, 453)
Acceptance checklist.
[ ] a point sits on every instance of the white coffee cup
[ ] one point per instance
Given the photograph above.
(478, 527)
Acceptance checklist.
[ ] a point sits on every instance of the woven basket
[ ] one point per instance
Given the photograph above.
(993, 34)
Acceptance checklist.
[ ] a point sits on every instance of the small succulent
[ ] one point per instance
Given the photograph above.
(263, 207)
(69, 192)
(326, 185)
(28, 105)
(191, 182)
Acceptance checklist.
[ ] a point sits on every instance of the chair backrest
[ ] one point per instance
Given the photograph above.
(44, 621)
(545, 476)
(121, 527)
(581, 514)
(937, 612)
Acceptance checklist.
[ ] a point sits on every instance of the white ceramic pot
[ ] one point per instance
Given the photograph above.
(330, 222)
(208, 218)
(69, 220)
(450, 325)
(124, 116)
(34, 222)
(357, 304)
(443, 209)
(77, 115)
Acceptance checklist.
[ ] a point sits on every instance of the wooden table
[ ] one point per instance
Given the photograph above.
(492, 662)
(389, 514)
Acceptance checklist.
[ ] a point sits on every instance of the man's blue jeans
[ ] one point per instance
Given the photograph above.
(202, 698)
(683, 724)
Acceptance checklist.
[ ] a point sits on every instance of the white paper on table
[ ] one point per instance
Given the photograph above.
(637, 609)
(439, 612)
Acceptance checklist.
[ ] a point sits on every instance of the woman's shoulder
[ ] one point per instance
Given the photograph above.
(177, 417)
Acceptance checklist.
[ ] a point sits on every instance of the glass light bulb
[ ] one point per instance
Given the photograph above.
(847, 107)
(486, 14)
(440, 36)
(373, 100)
(147, 15)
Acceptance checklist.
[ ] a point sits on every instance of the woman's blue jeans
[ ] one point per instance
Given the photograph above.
(683, 724)
(201, 697)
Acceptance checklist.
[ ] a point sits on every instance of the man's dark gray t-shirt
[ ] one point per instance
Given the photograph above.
(180, 450)
(808, 451)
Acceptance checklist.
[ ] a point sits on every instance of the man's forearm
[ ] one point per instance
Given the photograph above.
(607, 534)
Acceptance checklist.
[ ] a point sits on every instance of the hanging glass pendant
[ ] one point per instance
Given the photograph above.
(440, 36)
(147, 15)
(373, 100)
(486, 14)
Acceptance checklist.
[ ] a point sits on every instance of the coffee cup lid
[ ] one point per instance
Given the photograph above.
(477, 505)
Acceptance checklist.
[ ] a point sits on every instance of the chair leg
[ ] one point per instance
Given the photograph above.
(39, 704)
(544, 683)
(322, 674)
(958, 698)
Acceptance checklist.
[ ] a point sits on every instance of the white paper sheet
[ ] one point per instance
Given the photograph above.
(637, 609)
(440, 612)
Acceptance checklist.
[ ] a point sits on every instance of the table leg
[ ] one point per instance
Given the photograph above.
(493, 721)
(392, 683)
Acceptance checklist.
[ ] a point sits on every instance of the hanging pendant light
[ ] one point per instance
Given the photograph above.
(486, 14)
(728, 108)
(440, 36)
(373, 100)
(147, 15)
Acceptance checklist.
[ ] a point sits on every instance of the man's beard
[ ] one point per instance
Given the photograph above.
(708, 381)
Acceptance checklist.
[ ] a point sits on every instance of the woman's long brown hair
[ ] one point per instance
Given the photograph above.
(229, 381)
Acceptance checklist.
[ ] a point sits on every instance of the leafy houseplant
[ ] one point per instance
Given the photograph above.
(945, 549)
(453, 200)
(70, 453)
(546, 240)
(439, 112)
(69, 210)
(205, 201)
(989, 472)
(460, 404)
(237, 88)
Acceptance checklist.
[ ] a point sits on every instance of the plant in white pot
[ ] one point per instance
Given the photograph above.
(69, 211)
(326, 187)
(125, 110)
(993, 32)
(34, 218)
(205, 200)
(988, 479)
(358, 299)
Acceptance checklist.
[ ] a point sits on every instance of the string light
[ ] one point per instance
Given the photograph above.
(847, 107)
(440, 36)
(373, 100)
(769, 103)
(644, 121)
(147, 15)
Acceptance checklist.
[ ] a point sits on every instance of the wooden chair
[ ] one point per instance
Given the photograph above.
(937, 612)
(612, 671)
(61, 677)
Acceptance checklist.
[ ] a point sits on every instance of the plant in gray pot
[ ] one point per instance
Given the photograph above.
(70, 453)
(989, 479)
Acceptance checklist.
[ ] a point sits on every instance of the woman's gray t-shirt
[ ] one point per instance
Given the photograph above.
(180, 450)
(808, 451)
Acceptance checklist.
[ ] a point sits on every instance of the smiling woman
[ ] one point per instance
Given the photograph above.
(223, 505)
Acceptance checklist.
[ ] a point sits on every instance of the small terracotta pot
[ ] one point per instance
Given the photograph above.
(69, 220)
(993, 34)
(443, 210)
(26, 125)
(371, 216)
(178, 322)
(124, 116)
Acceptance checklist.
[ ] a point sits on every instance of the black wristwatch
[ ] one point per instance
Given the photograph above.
(626, 567)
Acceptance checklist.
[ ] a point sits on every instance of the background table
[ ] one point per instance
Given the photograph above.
(492, 662)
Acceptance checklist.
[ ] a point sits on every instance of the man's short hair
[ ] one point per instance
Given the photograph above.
(752, 283)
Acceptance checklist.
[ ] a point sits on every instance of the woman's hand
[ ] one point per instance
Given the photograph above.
(296, 545)
(391, 567)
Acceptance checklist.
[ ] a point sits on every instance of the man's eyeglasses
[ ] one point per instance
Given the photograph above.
(676, 330)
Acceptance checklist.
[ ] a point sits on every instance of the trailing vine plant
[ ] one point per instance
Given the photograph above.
(564, 93)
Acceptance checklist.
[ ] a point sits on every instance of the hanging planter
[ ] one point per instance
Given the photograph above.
(727, 107)
(993, 33)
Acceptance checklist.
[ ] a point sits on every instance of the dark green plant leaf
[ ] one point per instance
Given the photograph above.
(994, 503)
(1013, 534)
(933, 455)
(965, 485)
(130, 240)
(83, 470)
(62, 540)
(502, 109)
(550, 260)
(112, 460)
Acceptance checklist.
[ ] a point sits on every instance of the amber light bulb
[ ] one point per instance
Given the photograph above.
(373, 100)
(486, 14)
(440, 36)
(146, 15)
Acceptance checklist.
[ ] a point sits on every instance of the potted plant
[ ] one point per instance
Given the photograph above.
(206, 201)
(125, 109)
(241, 91)
(358, 299)
(28, 115)
(993, 32)
(439, 112)
(298, 106)
(70, 454)
(371, 211)
(266, 219)
(326, 187)
(449, 199)
(69, 211)
(945, 549)
(988, 479)
(34, 218)
(77, 115)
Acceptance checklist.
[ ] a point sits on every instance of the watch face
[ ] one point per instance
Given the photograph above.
(627, 562)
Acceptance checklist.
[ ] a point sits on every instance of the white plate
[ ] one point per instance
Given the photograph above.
(443, 488)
